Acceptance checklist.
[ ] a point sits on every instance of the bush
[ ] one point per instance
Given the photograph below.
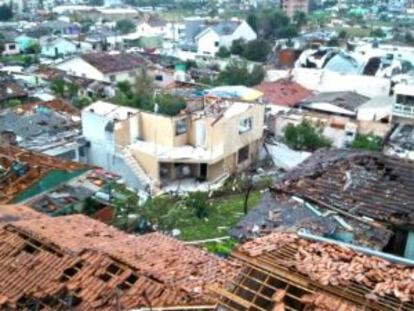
(367, 142)
(238, 73)
(257, 50)
(170, 104)
(125, 26)
(305, 136)
(223, 52)
(198, 202)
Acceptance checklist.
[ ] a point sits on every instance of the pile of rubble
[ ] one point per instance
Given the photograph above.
(330, 264)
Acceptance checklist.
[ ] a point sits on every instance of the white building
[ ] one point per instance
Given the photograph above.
(104, 67)
(223, 34)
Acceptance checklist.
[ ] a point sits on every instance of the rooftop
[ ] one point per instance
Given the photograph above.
(111, 63)
(359, 183)
(346, 100)
(110, 111)
(283, 92)
(283, 271)
(21, 170)
(97, 266)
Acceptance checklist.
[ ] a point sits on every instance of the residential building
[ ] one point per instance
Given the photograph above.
(57, 47)
(403, 110)
(288, 271)
(292, 6)
(335, 103)
(150, 149)
(52, 128)
(83, 264)
(104, 67)
(152, 26)
(10, 48)
(223, 34)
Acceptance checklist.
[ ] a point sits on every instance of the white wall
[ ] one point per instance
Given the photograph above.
(206, 44)
(244, 31)
(80, 68)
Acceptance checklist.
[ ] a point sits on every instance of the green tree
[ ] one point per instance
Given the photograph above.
(257, 50)
(33, 48)
(300, 19)
(6, 13)
(237, 47)
(367, 142)
(252, 21)
(377, 32)
(81, 102)
(125, 26)
(305, 136)
(238, 73)
(223, 52)
(170, 104)
(58, 87)
(95, 2)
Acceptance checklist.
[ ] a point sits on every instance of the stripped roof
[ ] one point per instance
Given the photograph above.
(20, 169)
(112, 63)
(284, 270)
(87, 265)
(347, 100)
(359, 183)
(283, 92)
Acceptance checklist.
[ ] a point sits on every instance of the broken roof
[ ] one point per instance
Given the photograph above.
(42, 126)
(346, 100)
(283, 92)
(21, 169)
(279, 212)
(358, 183)
(12, 213)
(112, 63)
(96, 266)
(283, 271)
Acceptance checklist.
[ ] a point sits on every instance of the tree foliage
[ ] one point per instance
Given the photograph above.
(237, 47)
(141, 96)
(377, 32)
(305, 136)
(223, 52)
(125, 26)
(271, 24)
(238, 73)
(6, 13)
(256, 50)
(63, 88)
(367, 142)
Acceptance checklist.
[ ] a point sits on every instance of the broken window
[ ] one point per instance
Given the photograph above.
(181, 127)
(245, 125)
(243, 154)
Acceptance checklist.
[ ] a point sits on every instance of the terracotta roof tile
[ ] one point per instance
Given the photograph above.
(283, 92)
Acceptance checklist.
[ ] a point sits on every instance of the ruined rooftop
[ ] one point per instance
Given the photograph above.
(22, 170)
(108, 63)
(96, 267)
(355, 183)
(283, 271)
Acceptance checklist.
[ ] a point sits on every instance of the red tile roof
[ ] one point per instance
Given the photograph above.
(91, 265)
(11, 213)
(283, 92)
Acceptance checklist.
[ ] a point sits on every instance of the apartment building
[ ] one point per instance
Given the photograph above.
(153, 150)
(292, 6)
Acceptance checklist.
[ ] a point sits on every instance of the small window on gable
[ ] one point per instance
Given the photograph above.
(245, 125)
(216, 43)
(181, 127)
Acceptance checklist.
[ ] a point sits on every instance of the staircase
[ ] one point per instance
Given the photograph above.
(138, 171)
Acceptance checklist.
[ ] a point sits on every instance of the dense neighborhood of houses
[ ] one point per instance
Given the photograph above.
(207, 155)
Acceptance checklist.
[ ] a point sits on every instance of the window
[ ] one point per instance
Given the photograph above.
(12, 47)
(181, 127)
(216, 43)
(159, 78)
(112, 78)
(243, 154)
(245, 125)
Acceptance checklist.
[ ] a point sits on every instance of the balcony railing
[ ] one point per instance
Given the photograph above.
(403, 110)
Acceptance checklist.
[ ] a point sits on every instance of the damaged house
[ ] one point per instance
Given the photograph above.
(52, 127)
(77, 263)
(358, 197)
(150, 149)
(288, 271)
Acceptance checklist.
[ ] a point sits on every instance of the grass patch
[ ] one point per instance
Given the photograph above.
(358, 32)
(224, 213)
